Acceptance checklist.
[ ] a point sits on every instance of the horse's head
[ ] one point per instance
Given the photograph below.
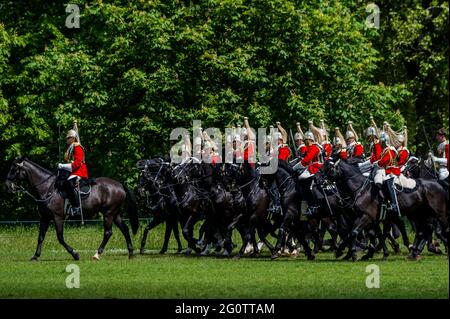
(230, 174)
(152, 174)
(16, 174)
(328, 171)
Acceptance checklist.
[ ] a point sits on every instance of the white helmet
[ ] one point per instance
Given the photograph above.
(237, 138)
(309, 136)
(349, 134)
(72, 133)
(371, 131)
(277, 136)
(384, 137)
(401, 138)
(298, 136)
(336, 141)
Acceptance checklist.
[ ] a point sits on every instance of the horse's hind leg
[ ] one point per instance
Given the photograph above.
(152, 224)
(176, 233)
(118, 221)
(59, 226)
(43, 227)
(107, 232)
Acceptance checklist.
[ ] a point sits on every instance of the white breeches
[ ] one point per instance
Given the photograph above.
(443, 173)
(380, 176)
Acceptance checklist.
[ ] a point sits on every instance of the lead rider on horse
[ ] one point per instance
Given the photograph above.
(77, 166)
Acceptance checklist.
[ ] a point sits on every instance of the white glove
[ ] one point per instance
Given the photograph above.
(440, 160)
(67, 167)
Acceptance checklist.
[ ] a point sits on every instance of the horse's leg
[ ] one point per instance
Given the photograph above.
(43, 227)
(176, 233)
(167, 232)
(188, 230)
(228, 242)
(379, 234)
(301, 236)
(59, 226)
(246, 239)
(118, 221)
(107, 232)
(370, 247)
(152, 224)
(331, 227)
(360, 224)
(402, 227)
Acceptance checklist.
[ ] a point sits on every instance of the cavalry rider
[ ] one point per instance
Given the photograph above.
(283, 149)
(299, 144)
(339, 145)
(375, 148)
(354, 148)
(402, 151)
(325, 144)
(249, 149)
(310, 164)
(386, 169)
(77, 168)
(443, 152)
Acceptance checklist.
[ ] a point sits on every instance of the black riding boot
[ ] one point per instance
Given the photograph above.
(313, 207)
(392, 197)
(73, 196)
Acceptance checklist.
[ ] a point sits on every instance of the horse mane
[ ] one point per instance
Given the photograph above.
(23, 158)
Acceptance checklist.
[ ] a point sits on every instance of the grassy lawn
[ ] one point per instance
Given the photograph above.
(178, 276)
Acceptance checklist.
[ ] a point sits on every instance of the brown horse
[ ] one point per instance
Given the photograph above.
(106, 196)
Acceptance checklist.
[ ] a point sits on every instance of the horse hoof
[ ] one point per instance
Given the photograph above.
(142, 251)
(385, 257)
(237, 257)
(311, 257)
(76, 256)
(397, 250)
(162, 251)
(96, 257)
(354, 257)
(131, 256)
(34, 258)
(274, 256)
(414, 257)
(365, 257)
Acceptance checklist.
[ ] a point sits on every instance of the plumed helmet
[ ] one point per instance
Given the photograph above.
(384, 137)
(298, 136)
(349, 134)
(337, 141)
(268, 139)
(72, 133)
(309, 136)
(278, 136)
(401, 138)
(371, 131)
(237, 138)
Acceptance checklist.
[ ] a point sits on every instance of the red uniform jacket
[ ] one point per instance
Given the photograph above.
(327, 147)
(403, 155)
(343, 154)
(78, 165)
(376, 152)
(312, 159)
(356, 150)
(302, 150)
(215, 159)
(283, 153)
(249, 152)
(388, 160)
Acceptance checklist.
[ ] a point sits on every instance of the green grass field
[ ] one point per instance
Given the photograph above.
(178, 276)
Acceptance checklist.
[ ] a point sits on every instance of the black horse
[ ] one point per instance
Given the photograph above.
(159, 200)
(427, 201)
(107, 196)
(290, 205)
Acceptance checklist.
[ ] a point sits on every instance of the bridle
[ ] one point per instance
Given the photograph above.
(16, 185)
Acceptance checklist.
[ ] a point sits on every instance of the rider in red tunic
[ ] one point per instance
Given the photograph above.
(76, 167)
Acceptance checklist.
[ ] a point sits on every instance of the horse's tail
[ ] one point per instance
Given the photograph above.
(132, 210)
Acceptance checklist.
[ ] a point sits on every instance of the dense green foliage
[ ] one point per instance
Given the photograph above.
(135, 70)
(178, 276)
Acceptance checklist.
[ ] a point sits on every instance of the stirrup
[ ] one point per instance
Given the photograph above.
(310, 211)
(74, 211)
